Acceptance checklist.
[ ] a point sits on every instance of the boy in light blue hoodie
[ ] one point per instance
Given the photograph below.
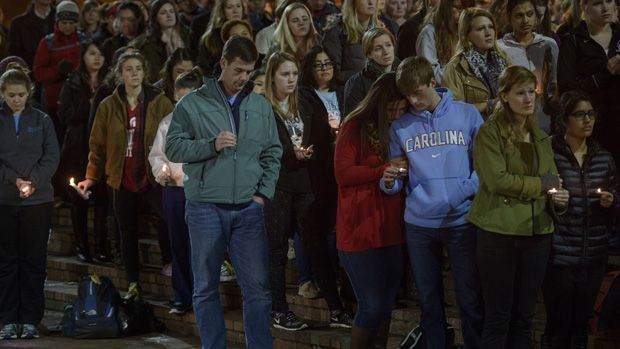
(435, 137)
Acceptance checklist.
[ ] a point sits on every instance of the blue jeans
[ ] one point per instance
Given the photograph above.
(213, 229)
(425, 247)
(174, 214)
(375, 275)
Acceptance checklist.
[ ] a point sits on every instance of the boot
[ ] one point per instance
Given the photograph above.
(382, 334)
(362, 338)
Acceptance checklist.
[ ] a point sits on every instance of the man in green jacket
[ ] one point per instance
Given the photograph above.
(226, 137)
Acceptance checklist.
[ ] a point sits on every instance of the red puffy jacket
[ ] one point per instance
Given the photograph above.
(52, 49)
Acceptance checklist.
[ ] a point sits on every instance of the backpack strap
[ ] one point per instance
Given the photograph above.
(606, 285)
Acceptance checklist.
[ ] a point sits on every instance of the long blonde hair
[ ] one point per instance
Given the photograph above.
(216, 21)
(275, 61)
(467, 17)
(509, 78)
(285, 39)
(351, 25)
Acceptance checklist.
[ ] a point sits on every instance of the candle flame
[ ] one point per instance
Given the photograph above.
(72, 181)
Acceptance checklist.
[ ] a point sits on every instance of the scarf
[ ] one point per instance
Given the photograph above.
(486, 70)
(173, 41)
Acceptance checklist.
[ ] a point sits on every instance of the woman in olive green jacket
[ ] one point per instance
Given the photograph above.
(472, 74)
(512, 210)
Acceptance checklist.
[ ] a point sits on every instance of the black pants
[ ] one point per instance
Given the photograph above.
(512, 269)
(126, 209)
(79, 218)
(23, 261)
(282, 215)
(569, 294)
(318, 222)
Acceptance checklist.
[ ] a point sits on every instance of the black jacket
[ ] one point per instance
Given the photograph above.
(196, 29)
(359, 84)
(294, 176)
(32, 155)
(26, 31)
(582, 65)
(581, 234)
(348, 57)
(73, 111)
(321, 215)
(408, 35)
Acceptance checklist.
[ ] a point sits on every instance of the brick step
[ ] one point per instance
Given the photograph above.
(318, 335)
(69, 269)
(158, 287)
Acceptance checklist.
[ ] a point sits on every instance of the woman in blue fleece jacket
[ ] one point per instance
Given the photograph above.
(435, 136)
(28, 158)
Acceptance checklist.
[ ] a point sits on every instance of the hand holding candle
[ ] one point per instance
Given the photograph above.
(559, 196)
(84, 194)
(607, 198)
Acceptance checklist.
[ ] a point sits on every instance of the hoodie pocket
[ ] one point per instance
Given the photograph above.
(436, 198)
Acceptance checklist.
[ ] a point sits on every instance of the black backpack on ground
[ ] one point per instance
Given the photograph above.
(94, 313)
(137, 317)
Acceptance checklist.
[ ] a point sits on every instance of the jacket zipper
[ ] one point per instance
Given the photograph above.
(584, 190)
(231, 119)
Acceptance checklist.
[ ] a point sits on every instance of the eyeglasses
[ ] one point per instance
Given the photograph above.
(581, 115)
(323, 66)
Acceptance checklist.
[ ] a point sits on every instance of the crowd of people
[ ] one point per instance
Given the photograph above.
(377, 137)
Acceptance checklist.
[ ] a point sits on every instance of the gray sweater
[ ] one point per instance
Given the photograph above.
(32, 155)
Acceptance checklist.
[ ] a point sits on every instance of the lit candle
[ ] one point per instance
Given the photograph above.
(599, 191)
(552, 191)
(83, 194)
(25, 188)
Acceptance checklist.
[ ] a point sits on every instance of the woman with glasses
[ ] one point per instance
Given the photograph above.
(379, 47)
(529, 49)
(472, 75)
(442, 23)
(589, 60)
(318, 82)
(580, 240)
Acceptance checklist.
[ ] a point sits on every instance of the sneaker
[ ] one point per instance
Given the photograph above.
(166, 270)
(133, 291)
(308, 290)
(340, 319)
(226, 272)
(29, 332)
(288, 321)
(9, 331)
(413, 339)
(290, 254)
(179, 308)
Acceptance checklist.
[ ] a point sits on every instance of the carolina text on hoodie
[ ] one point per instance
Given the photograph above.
(438, 146)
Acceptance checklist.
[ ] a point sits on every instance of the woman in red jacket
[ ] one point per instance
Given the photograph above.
(369, 228)
(58, 54)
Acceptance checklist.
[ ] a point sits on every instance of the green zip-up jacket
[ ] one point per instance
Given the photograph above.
(235, 174)
(510, 199)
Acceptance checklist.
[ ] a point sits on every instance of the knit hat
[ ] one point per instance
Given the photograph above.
(67, 10)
